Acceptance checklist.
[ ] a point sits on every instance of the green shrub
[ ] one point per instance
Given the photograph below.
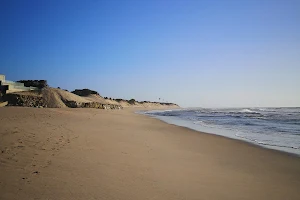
(131, 101)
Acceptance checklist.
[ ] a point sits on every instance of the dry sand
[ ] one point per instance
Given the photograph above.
(101, 154)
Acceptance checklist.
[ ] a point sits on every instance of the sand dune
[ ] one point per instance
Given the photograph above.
(101, 154)
(57, 98)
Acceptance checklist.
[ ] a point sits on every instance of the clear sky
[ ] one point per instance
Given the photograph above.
(222, 53)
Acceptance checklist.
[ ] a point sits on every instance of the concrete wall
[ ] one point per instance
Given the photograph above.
(11, 86)
(16, 88)
(12, 83)
(2, 77)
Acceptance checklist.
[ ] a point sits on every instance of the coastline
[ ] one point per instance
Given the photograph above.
(186, 124)
(235, 139)
(119, 154)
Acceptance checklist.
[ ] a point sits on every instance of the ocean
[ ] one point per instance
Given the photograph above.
(275, 128)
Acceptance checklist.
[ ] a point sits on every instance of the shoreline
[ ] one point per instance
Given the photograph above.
(119, 154)
(264, 146)
(237, 140)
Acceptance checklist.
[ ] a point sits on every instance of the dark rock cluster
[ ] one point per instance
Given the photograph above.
(74, 104)
(24, 100)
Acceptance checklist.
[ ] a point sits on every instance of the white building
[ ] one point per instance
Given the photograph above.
(11, 86)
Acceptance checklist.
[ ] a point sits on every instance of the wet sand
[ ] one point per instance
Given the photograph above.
(117, 154)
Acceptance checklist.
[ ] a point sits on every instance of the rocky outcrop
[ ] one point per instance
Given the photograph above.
(84, 92)
(101, 106)
(74, 104)
(34, 83)
(25, 100)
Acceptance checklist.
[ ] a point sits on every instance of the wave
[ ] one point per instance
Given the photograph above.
(205, 124)
(157, 112)
(267, 110)
(266, 143)
(247, 111)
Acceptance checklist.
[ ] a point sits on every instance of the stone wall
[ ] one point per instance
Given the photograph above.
(74, 104)
(24, 100)
(12, 89)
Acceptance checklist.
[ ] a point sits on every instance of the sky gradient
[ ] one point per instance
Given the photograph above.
(195, 53)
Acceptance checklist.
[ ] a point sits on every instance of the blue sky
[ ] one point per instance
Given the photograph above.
(195, 53)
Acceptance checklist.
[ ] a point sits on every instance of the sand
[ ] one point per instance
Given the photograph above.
(113, 154)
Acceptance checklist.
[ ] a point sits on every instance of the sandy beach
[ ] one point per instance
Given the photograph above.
(117, 154)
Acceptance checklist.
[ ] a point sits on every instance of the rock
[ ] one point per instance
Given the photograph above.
(71, 104)
(22, 100)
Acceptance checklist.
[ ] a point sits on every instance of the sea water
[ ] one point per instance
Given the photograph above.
(275, 128)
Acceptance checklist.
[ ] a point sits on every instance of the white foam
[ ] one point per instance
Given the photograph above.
(205, 124)
(247, 111)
